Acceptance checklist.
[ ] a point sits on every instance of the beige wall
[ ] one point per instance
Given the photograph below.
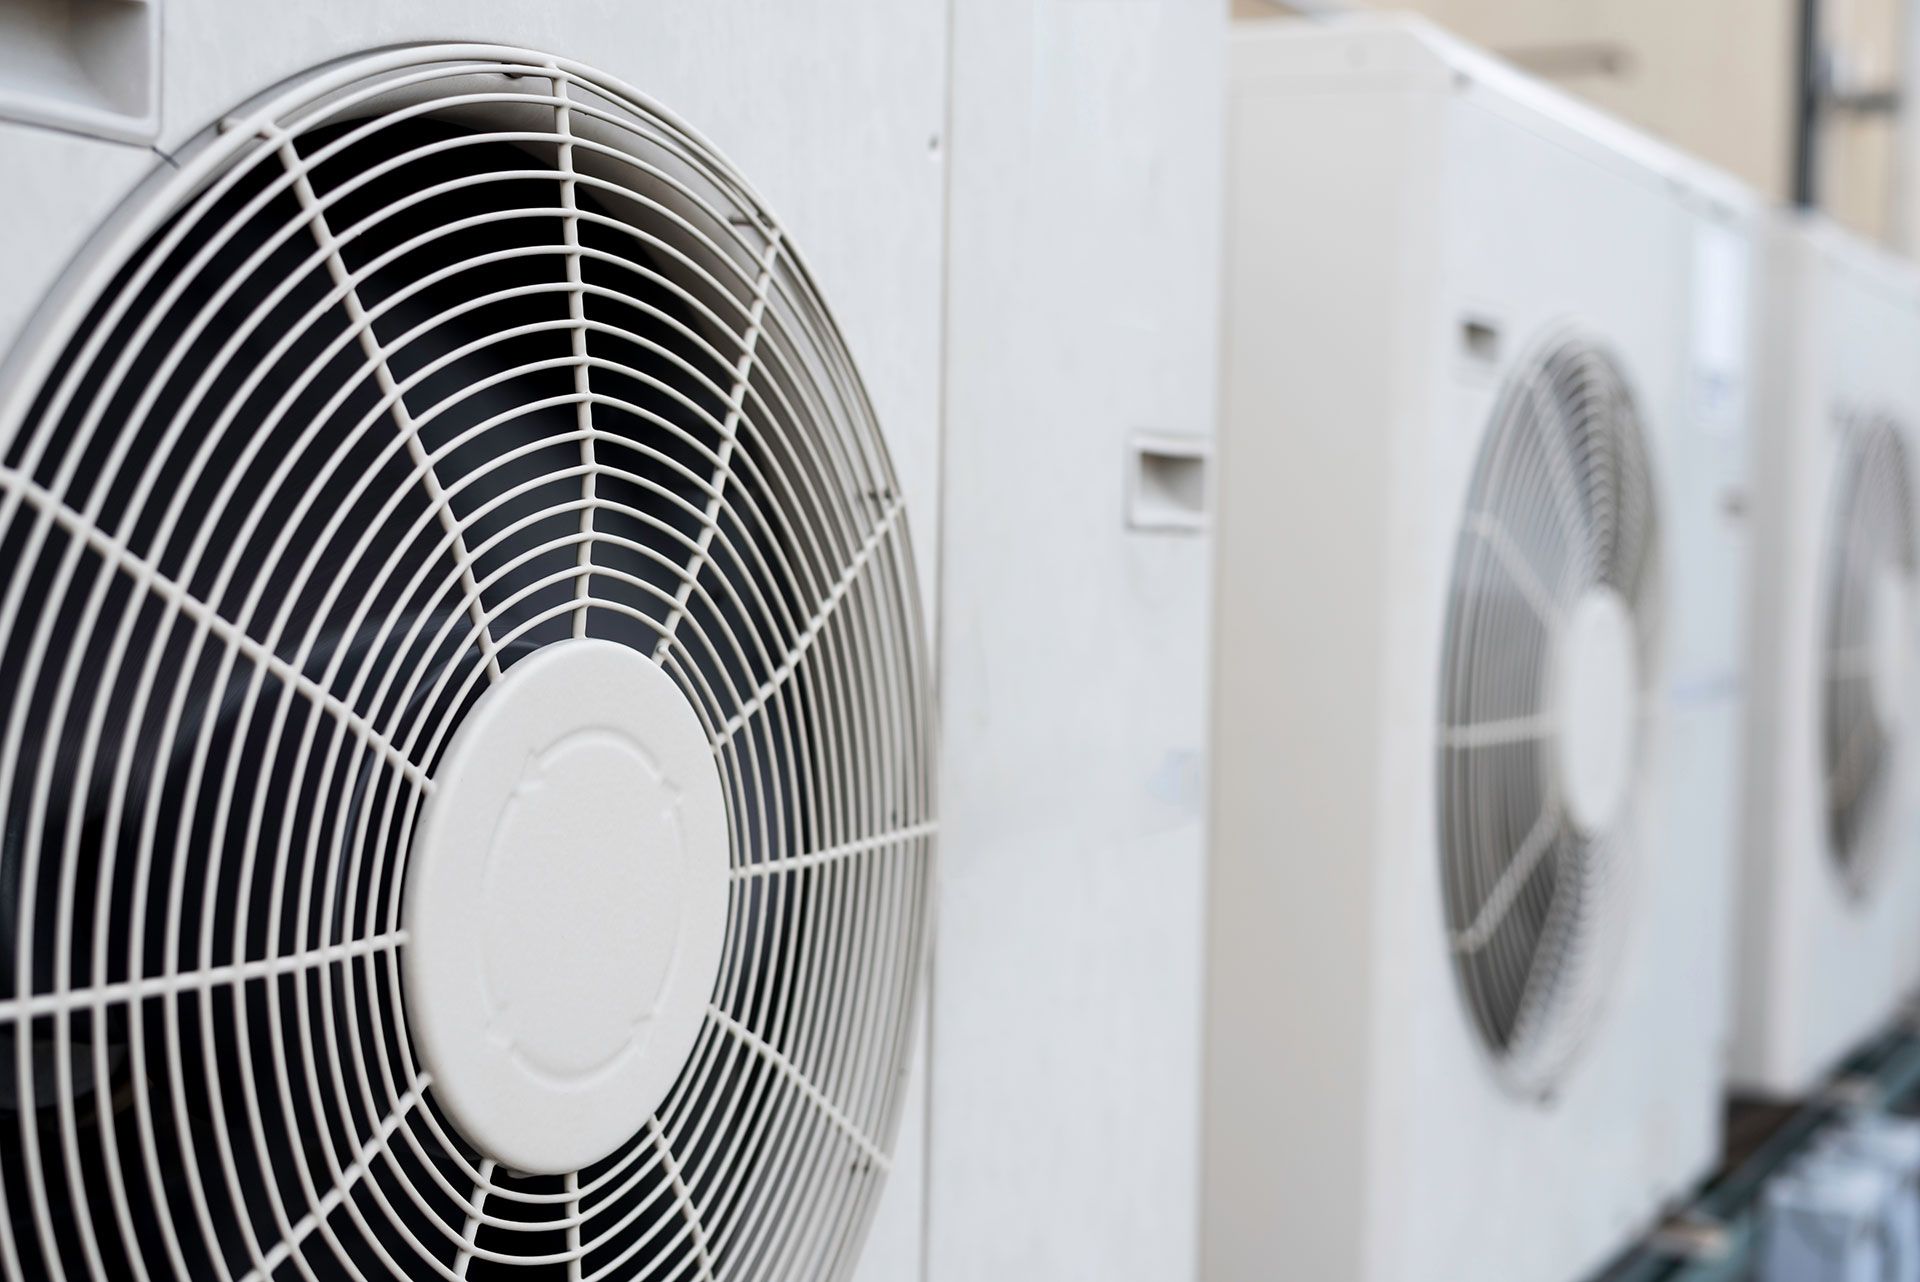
(1857, 173)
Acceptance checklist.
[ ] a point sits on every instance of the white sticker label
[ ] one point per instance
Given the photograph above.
(1722, 279)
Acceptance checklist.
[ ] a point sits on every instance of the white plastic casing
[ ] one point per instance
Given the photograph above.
(852, 162)
(1405, 219)
(1822, 963)
(1595, 696)
(566, 906)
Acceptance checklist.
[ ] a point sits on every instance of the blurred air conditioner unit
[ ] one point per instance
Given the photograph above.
(1477, 654)
(465, 729)
(1831, 878)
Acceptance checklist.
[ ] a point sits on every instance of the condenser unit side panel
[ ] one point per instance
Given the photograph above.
(1780, 855)
(1081, 349)
(1688, 882)
(1329, 325)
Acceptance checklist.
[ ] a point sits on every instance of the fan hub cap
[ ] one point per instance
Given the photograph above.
(1596, 695)
(566, 906)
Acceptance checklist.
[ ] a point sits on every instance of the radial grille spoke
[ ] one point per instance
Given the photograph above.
(844, 585)
(836, 854)
(683, 1198)
(163, 589)
(729, 440)
(330, 1202)
(463, 1258)
(389, 389)
(811, 1093)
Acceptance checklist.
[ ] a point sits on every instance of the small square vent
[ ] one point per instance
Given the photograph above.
(1167, 483)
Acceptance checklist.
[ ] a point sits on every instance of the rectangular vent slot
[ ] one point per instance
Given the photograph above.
(1480, 340)
(1168, 483)
(91, 66)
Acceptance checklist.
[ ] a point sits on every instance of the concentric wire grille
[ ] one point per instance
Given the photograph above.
(1561, 504)
(1871, 544)
(440, 358)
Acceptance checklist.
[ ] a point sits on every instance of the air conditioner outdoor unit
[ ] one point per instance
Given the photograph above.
(466, 755)
(1831, 879)
(1477, 649)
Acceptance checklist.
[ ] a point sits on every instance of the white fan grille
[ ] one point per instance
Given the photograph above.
(1561, 505)
(1871, 545)
(438, 359)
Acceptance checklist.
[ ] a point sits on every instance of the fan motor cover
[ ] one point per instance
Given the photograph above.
(441, 515)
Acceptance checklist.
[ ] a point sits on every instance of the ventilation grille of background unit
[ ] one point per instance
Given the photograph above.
(1870, 569)
(1547, 680)
(437, 365)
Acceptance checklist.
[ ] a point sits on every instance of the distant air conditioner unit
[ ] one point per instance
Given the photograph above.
(1832, 876)
(465, 732)
(1477, 669)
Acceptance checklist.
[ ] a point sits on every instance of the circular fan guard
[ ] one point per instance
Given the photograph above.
(1560, 518)
(439, 360)
(1870, 571)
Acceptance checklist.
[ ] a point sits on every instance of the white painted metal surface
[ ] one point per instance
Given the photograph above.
(1406, 221)
(1829, 897)
(854, 162)
(1082, 317)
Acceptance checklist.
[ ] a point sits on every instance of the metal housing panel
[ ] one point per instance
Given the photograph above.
(1082, 312)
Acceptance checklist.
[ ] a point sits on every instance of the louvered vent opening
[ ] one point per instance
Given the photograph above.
(1868, 641)
(1548, 667)
(426, 367)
